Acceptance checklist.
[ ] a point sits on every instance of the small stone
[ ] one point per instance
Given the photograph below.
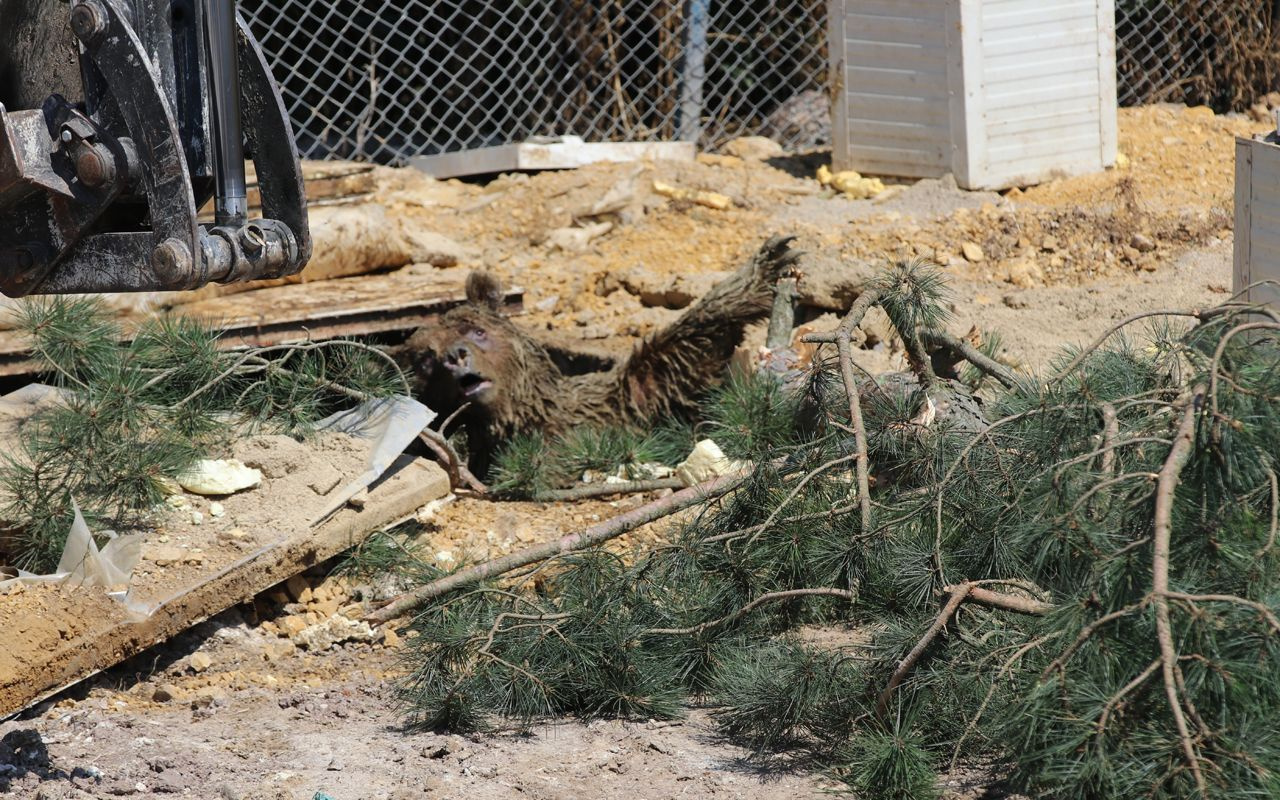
(336, 765)
(1049, 243)
(216, 509)
(753, 148)
(219, 477)
(327, 480)
(168, 555)
(1015, 301)
(1025, 273)
(164, 693)
(1141, 243)
(292, 625)
(360, 499)
(200, 662)
(390, 638)
(298, 589)
(973, 253)
(197, 518)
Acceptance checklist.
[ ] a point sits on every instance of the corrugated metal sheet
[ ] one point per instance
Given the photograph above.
(1257, 225)
(999, 92)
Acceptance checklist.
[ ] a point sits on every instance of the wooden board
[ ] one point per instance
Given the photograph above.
(98, 633)
(368, 304)
(567, 153)
(326, 182)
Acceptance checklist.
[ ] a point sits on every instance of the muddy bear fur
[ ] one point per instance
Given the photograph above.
(475, 354)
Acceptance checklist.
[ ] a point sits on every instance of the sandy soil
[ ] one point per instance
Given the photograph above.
(265, 716)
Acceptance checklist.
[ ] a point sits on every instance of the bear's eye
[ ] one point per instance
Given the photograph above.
(479, 334)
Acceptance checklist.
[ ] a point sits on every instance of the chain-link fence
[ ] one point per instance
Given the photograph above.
(386, 80)
(1220, 53)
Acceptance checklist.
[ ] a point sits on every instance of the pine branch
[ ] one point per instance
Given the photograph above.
(771, 597)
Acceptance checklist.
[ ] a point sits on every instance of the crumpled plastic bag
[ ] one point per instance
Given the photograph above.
(84, 564)
(392, 422)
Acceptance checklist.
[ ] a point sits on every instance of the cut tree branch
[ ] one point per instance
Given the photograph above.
(596, 534)
(590, 490)
(1166, 486)
(971, 354)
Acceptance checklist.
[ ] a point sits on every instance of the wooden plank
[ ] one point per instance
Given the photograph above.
(568, 152)
(107, 640)
(367, 304)
(325, 183)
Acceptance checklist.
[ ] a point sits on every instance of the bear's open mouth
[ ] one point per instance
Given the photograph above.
(473, 384)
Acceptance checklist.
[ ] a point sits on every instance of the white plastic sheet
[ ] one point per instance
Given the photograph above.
(393, 423)
(84, 564)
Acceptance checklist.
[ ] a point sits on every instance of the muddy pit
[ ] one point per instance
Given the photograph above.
(244, 707)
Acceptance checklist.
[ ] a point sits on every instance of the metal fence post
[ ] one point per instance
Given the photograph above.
(694, 73)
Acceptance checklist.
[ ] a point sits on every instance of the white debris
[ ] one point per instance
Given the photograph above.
(428, 512)
(335, 630)
(707, 461)
(219, 476)
(216, 509)
(197, 518)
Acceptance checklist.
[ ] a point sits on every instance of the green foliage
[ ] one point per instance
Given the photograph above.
(1052, 503)
(751, 415)
(131, 414)
(530, 464)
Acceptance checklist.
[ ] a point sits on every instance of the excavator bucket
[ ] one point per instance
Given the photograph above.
(119, 119)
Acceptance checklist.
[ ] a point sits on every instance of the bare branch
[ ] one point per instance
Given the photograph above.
(971, 354)
(958, 594)
(596, 534)
(606, 489)
(1170, 476)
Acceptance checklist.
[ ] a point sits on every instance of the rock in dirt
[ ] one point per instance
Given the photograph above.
(754, 148)
(327, 478)
(200, 662)
(1142, 243)
(335, 630)
(575, 240)
(852, 184)
(219, 477)
(164, 693)
(831, 283)
(669, 291)
(700, 197)
(973, 253)
(1025, 273)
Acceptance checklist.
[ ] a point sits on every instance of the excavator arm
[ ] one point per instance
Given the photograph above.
(119, 120)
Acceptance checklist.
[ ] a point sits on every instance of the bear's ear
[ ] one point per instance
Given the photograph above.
(484, 290)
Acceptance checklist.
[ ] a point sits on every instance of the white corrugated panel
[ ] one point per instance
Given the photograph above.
(892, 116)
(999, 92)
(1257, 226)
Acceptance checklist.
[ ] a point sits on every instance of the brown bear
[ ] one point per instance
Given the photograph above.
(475, 354)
